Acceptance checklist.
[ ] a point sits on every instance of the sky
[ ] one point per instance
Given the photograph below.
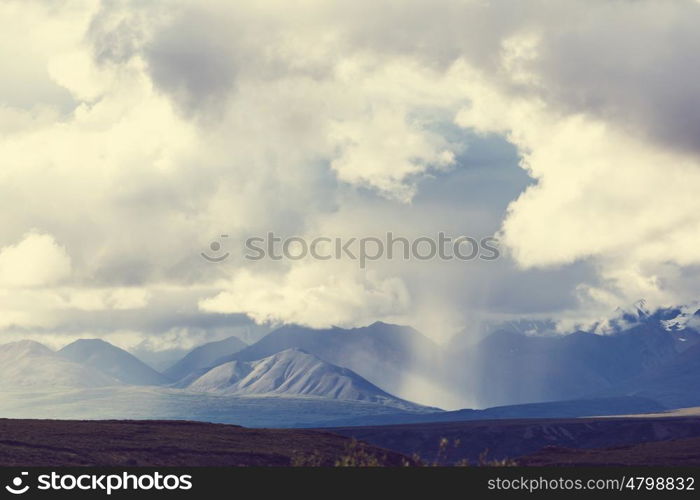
(133, 134)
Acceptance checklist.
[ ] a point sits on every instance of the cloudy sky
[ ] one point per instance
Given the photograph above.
(135, 133)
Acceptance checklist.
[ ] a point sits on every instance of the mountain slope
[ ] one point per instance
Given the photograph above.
(386, 355)
(295, 373)
(112, 361)
(27, 364)
(204, 356)
(511, 368)
(674, 384)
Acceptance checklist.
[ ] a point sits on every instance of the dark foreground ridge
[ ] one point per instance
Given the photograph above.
(156, 443)
(674, 453)
(628, 441)
(636, 440)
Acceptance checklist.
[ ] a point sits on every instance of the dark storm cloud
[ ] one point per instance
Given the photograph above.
(197, 69)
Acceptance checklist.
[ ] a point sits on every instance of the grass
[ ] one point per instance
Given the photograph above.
(358, 454)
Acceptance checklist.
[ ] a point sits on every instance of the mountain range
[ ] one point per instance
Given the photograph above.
(93, 363)
(27, 364)
(648, 362)
(509, 368)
